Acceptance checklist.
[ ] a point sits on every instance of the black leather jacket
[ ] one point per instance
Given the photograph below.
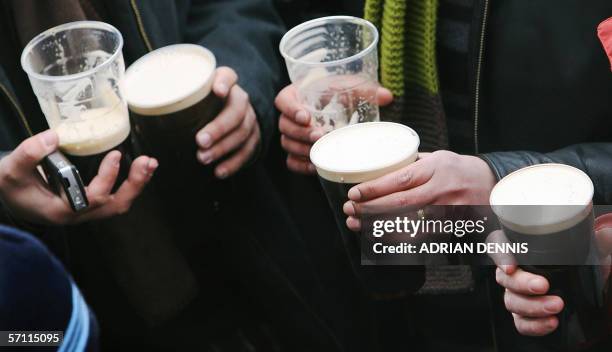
(545, 91)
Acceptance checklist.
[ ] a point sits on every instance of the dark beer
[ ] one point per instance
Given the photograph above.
(549, 207)
(169, 92)
(358, 153)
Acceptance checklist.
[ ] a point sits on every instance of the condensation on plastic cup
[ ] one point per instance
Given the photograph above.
(333, 62)
(27, 51)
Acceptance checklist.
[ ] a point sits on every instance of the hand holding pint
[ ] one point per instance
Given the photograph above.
(560, 291)
(355, 154)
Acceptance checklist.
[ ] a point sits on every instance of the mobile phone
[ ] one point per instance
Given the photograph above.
(63, 175)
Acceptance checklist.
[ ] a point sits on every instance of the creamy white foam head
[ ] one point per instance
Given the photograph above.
(364, 151)
(169, 79)
(543, 198)
(95, 131)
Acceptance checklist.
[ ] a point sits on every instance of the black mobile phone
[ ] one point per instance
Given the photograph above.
(63, 175)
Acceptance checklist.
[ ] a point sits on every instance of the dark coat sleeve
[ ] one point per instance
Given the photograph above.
(244, 35)
(593, 158)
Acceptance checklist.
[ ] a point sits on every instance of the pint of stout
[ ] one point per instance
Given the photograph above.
(169, 94)
(358, 153)
(549, 207)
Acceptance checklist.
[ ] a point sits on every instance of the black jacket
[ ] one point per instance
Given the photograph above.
(545, 88)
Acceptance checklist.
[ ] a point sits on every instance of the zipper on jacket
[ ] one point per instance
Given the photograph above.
(478, 73)
(20, 113)
(141, 28)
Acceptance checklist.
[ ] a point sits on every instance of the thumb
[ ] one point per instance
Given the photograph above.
(384, 96)
(31, 151)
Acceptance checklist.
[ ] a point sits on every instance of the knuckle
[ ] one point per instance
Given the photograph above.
(282, 124)
(28, 152)
(245, 130)
(403, 201)
(530, 310)
(282, 100)
(278, 100)
(508, 301)
(445, 157)
(241, 96)
(367, 190)
(521, 326)
(404, 178)
(283, 141)
(225, 70)
(122, 207)
(9, 176)
(215, 129)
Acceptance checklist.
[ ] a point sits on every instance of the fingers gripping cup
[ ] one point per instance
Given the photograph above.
(355, 154)
(75, 70)
(549, 207)
(333, 62)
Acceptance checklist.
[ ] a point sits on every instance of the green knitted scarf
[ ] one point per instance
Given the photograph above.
(408, 68)
(419, 23)
(408, 65)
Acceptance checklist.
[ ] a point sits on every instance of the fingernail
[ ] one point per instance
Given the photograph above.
(504, 268)
(205, 157)
(353, 224)
(349, 208)
(151, 167)
(354, 194)
(302, 117)
(315, 135)
(49, 138)
(537, 286)
(552, 306)
(204, 140)
(222, 89)
(552, 323)
(221, 173)
(152, 164)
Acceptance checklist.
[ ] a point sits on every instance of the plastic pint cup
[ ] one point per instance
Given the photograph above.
(358, 153)
(333, 62)
(75, 70)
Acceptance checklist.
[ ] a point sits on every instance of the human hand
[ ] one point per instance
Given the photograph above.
(234, 134)
(27, 195)
(439, 178)
(534, 312)
(297, 131)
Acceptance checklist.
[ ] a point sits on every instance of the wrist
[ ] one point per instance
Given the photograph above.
(483, 178)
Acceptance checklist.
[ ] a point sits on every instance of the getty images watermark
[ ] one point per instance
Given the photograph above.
(475, 235)
(405, 226)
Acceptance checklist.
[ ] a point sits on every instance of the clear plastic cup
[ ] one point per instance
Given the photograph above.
(75, 70)
(333, 62)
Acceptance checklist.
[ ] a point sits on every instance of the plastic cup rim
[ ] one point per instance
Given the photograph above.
(64, 27)
(315, 21)
(154, 106)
